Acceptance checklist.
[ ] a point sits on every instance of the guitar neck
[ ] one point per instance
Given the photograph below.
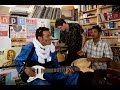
(61, 69)
(50, 70)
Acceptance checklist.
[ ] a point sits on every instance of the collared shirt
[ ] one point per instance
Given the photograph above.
(72, 37)
(100, 50)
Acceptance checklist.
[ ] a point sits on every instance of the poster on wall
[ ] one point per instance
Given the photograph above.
(4, 19)
(17, 27)
(31, 26)
(17, 31)
(43, 23)
(4, 31)
(8, 55)
(5, 43)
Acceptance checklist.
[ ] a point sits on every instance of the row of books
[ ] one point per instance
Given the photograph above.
(84, 21)
(104, 33)
(109, 16)
(46, 12)
(66, 12)
(87, 7)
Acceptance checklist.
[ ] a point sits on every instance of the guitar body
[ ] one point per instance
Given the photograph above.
(39, 73)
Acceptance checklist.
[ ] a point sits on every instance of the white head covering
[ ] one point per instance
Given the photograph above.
(43, 52)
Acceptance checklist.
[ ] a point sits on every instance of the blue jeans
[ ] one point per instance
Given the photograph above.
(71, 79)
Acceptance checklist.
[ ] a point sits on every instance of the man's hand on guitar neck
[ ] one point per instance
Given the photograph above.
(69, 70)
(30, 71)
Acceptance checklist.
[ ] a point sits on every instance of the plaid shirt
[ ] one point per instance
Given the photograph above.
(100, 50)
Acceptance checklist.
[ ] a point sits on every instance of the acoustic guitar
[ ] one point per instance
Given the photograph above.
(83, 65)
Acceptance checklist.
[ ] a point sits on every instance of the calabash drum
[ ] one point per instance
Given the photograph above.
(60, 57)
(83, 65)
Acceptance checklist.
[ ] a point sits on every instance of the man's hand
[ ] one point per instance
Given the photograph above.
(30, 71)
(69, 70)
(81, 53)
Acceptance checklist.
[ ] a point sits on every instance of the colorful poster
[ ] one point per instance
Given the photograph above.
(5, 43)
(3, 56)
(13, 20)
(31, 29)
(21, 20)
(18, 42)
(17, 31)
(7, 56)
(31, 21)
(31, 26)
(4, 30)
(43, 23)
(4, 19)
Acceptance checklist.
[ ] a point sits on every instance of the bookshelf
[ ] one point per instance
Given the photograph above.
(106, 16)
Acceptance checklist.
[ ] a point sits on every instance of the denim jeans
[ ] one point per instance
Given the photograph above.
(71, 79)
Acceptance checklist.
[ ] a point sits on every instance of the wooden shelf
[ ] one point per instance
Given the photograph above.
(103, 7)
(91, 10)
(88, 17)
(107, 37)
(89, 24)
(115, 20)
(105, 29)
(95, 19)
(116, 46)
(110, 37)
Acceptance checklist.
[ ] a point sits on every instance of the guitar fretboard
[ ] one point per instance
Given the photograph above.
(61, 69)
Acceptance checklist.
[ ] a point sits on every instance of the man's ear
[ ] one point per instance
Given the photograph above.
(39, 38)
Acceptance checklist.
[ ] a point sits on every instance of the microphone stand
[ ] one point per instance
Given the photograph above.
(11, 66)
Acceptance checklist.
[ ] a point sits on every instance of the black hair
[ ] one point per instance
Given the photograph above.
(98, 28)
(39, 31)
(59, 22)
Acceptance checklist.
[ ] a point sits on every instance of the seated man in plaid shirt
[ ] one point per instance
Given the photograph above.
(99, 52)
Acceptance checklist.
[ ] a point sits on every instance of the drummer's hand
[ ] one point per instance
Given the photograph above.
(91, 59)
(81, 53)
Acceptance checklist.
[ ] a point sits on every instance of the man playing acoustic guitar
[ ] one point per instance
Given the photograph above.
(41, 67)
